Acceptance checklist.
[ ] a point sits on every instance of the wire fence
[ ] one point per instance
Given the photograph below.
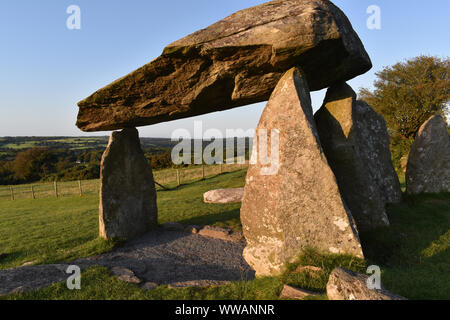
(165, 179)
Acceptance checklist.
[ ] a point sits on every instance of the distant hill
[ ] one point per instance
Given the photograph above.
(9, 146)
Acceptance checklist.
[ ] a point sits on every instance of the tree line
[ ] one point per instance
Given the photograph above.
(49, 164)
(406, 95)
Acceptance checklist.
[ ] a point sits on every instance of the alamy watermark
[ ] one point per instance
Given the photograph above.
(374, 281)
(74, 281)
(73, 22)
(374, 20)
(213, 153)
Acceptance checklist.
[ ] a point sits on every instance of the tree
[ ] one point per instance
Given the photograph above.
(33, 164)
(409, 92)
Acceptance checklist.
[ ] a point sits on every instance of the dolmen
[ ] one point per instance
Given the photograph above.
(314, 181)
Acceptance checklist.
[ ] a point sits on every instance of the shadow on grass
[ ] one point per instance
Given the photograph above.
(413, 252)
(10, 257)
(228, 217)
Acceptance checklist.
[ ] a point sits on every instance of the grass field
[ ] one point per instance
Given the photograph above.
(413, 253)
(167, 177)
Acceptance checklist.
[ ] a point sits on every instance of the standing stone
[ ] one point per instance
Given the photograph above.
(298, 204)
(374, 150)
(356, 143)
(428, 169)
(128, 196)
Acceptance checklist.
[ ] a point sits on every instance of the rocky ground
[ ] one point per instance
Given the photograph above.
(174, 258)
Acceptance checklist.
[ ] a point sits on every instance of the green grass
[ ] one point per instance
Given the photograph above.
(50, 230)
(185, 204)
(413, 253)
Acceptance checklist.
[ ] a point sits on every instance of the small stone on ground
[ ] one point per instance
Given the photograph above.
(221, 233)
(289, 292)
(223, 196)
(198, 283)
(126, 275)
(348, 285)
(149, 285)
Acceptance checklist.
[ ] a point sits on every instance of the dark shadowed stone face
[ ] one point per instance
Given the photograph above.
(374, 142)
(428, 168)
(234, 62)
(128, 195)
(297, 203)
(356, 142)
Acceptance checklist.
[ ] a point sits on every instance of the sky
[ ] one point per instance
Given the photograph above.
(46, 68)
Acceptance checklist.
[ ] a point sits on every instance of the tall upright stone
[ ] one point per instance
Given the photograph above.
(293, 202)
(128, 195)
(356, 144)
(375, 152)
(428, 168)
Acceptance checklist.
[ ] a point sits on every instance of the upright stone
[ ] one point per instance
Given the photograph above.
(128, 196)
(294, 202)
(374, 150)
(356, 144)
(428, 168)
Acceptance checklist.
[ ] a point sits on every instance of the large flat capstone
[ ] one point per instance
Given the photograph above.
(128, 195)
(234, 62)
(292, 201)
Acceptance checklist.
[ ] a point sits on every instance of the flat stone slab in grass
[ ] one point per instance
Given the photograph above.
(125, 274)
(221, 233)
(348, 285)
(223, 196)
(289, 292)
(160, 257)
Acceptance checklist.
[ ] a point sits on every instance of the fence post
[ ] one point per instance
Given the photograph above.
(203, 172)
(79, 186)
(32, 192)
(178, 177)
(12, 193)
(56, 188)
(221, 168)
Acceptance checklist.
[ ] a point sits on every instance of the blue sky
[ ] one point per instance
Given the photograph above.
(45, 68)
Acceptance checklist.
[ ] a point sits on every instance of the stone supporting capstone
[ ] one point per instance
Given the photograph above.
(356, 143)
(296, 203)
(127, 189)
